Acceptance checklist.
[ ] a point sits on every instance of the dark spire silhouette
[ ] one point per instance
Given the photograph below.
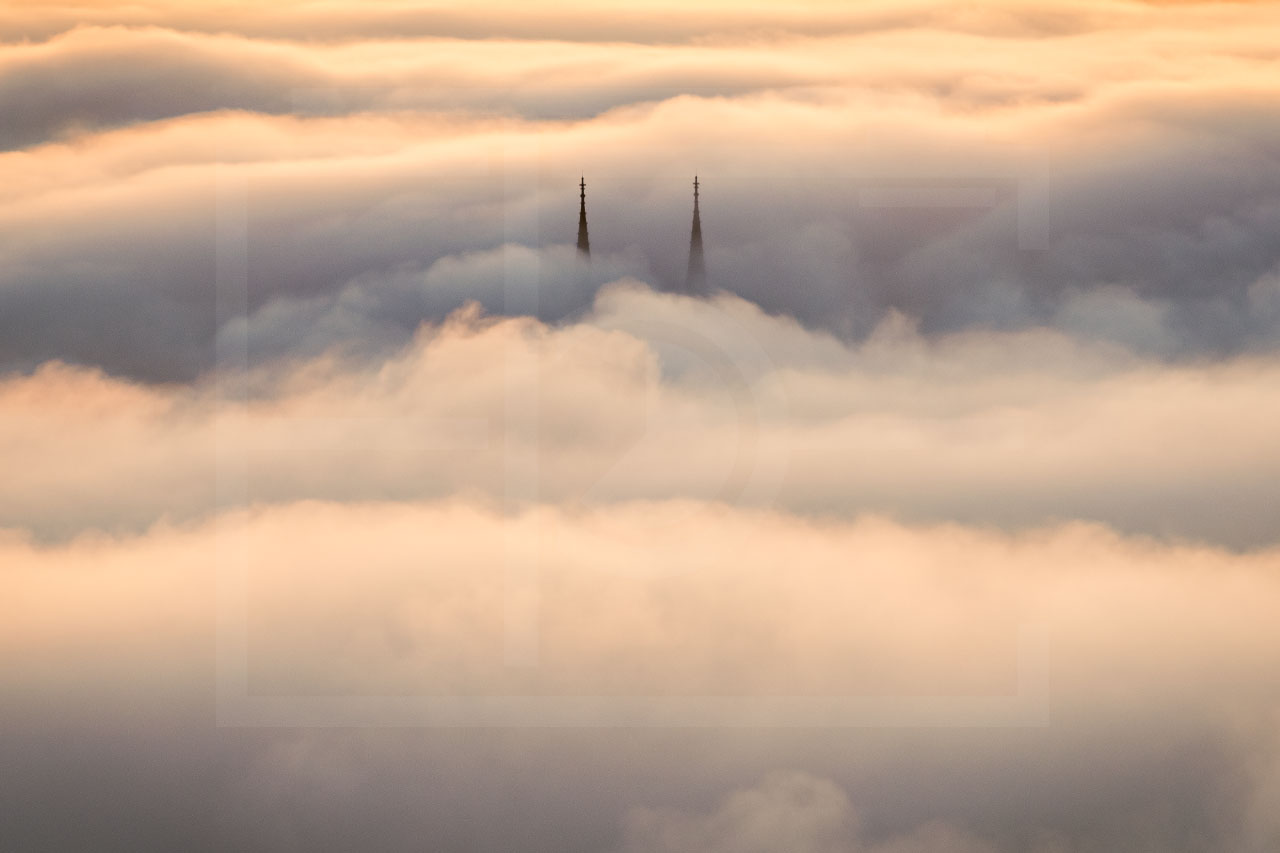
(697, 269)
(584, 244)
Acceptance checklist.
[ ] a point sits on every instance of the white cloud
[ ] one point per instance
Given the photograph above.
(784, 813)
(1161, 714)
(654, 396)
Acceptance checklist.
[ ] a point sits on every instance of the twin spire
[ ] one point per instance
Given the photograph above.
(695, 279)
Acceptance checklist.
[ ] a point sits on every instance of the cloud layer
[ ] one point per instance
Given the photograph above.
(1152, 719)
(1127, 193)
(654, 396)
(942, 521)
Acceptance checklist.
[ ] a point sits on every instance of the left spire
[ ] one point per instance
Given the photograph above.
(584, 244)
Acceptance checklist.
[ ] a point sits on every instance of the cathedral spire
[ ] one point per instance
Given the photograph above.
(584, 245)
(697, 269)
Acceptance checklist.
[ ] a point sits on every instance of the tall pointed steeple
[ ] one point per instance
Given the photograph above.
(584, 244)
(697, 269)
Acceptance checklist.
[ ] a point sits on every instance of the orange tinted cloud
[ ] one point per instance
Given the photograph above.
(659, 397)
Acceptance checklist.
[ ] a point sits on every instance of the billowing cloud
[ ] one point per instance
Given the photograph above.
(943, 520)
(842, 180)
(785, 812)
(655, 396)
(636, 21)
(1151, 715)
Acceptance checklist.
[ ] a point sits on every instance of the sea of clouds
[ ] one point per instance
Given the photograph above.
(344, 506)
